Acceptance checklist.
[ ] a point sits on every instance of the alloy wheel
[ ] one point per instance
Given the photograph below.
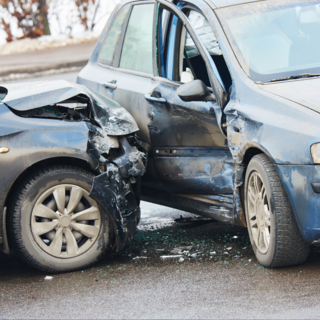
(259, 212)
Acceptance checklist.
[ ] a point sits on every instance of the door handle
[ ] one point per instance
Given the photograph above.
(111, 85)
(154, 99)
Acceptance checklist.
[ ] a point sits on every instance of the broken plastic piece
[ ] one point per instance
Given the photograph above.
(171, 257)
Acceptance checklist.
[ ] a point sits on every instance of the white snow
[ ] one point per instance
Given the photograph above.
(65, 27)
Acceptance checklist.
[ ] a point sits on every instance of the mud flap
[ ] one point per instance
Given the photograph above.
(114, 192)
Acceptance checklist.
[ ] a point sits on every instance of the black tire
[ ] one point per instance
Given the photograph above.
(286, 245)
(20, 211)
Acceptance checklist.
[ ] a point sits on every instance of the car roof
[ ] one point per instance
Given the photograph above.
(227, 3)
(214, 3)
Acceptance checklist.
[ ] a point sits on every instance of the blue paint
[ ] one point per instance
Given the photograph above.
(296, 180)
(207, 168)
(161, 49)
(171, 52)
(183, 165)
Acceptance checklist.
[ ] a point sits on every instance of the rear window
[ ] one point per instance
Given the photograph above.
(137, 46)
(3, 93)
(106, 54)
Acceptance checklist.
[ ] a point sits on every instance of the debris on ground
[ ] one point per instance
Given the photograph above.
(171, 257)
(191, 219)
(48, 278)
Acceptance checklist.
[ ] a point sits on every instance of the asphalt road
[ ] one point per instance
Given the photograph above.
(217, 277)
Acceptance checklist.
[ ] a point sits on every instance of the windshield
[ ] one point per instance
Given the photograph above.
(274, 39)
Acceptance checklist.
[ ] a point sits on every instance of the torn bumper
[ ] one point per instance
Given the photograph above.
(116, 191)
(298, 181)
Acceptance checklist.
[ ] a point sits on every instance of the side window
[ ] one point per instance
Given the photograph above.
(137, 46)
(106, 54)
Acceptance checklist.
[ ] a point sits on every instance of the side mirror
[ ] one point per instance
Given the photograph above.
(195, 90)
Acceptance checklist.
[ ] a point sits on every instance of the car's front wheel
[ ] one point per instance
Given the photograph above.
(54, 225)
(273, 231)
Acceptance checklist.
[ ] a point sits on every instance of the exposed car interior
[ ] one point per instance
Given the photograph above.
(177, 48)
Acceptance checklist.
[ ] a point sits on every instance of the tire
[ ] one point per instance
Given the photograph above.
(274, 234)
(55, 198)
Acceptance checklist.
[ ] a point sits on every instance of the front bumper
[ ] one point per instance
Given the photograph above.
(299, 182)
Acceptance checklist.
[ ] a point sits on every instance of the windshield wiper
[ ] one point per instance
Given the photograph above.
(299, 76)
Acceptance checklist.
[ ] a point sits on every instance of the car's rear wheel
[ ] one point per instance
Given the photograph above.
(54, 225)
(273, 231)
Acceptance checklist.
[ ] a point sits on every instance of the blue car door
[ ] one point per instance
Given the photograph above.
(190, 151)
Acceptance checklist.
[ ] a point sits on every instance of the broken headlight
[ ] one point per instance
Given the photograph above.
(315, 153)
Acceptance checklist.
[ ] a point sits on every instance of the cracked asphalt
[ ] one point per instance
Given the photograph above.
(213, 274)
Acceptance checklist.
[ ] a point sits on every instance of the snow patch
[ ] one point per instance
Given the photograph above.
(45, 42)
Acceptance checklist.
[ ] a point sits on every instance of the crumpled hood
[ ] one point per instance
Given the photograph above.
(303, 91)
(113, 118)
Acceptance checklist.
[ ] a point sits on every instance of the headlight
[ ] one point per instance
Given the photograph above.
(315, 153)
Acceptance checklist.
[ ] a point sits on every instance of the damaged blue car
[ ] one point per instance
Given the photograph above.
(216, 112)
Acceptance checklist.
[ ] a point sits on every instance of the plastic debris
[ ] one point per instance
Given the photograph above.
(191, 219)
(181, 259)
(186, 247)
(176, 251)
(48, 278)
(235, 237)
(138, 258)
(171, 257)
(194, 255)
(212, 253)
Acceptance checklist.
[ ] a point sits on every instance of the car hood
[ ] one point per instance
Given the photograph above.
(303, 91)
(113, 118)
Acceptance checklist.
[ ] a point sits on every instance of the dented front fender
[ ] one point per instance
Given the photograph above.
(113, 190)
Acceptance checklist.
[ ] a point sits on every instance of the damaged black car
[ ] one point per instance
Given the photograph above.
(70, 174)
(210, 107)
